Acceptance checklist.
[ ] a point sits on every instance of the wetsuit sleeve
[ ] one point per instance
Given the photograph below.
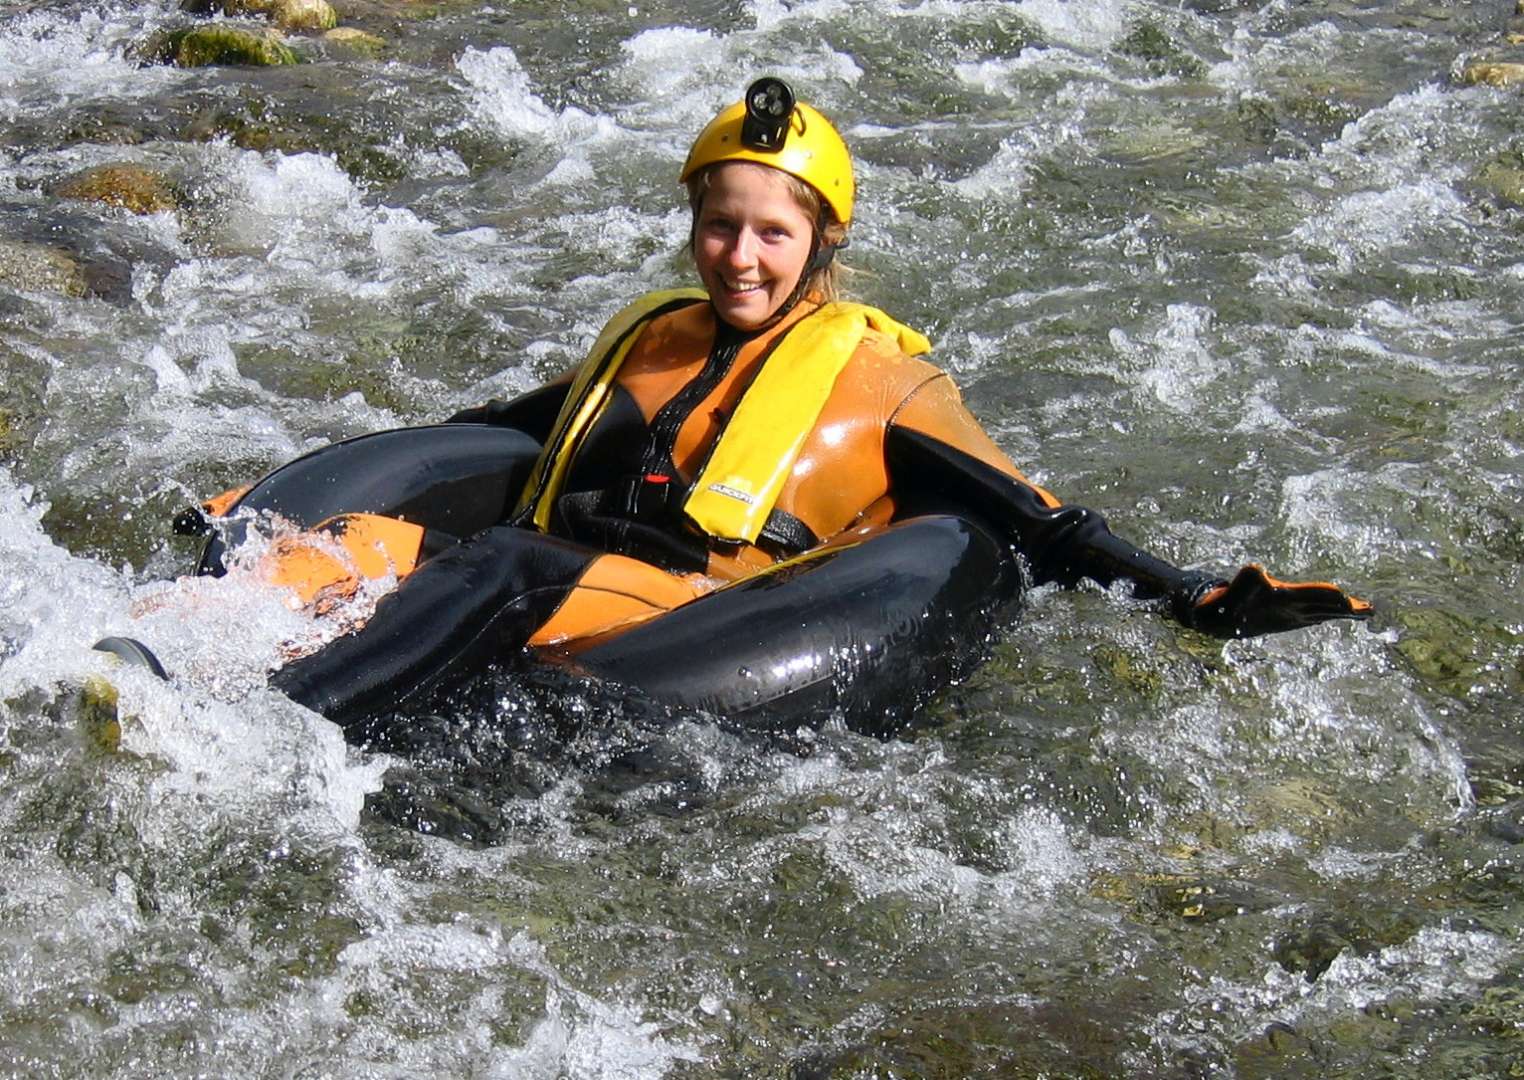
(1062, 543)
(533, 413)
(936, 408)
(1066, 543)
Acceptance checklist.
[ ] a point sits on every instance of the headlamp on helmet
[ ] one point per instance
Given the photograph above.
(769, 107)
(770, 127)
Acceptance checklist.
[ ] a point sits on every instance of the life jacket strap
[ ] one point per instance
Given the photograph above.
(734, 498)
(739, 485)
(588, 397)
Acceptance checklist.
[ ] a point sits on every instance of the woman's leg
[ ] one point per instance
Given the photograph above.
(477, 600)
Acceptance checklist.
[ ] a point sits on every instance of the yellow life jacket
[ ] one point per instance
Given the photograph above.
(740, 483)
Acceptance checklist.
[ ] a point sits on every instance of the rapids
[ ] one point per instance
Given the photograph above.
(1248, 277)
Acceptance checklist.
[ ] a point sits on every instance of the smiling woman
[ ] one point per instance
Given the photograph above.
(712, 439)
(1268, 308)
(751, 241)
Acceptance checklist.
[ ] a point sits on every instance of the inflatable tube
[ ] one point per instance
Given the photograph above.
(452, 478)
(864, 630)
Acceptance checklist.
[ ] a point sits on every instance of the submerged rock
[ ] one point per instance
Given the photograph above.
(1147, 42)
(1314, 940)
(130, 187)
(355, 41)
(36, 268)
(1497, 73)
(207, 46)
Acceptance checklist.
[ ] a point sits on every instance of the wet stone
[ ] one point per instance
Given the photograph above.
(1507, 823)
(36, 268)
(1503, 177)
(1150, 44)
(230, 8)
(218, 46)
(131, 187)
(355, 42)
(304, 15)
(98, 717)
(1209, 901)
(1310, 948)
(1493, 73)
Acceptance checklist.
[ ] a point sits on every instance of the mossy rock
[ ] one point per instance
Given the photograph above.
(219, 46)
(1503, 177)
(355, 42)
(1146, 41)
(130, 187)
(98, 715)
(304, 15)
(268, 124)
(1500, 1012)
(36, 268)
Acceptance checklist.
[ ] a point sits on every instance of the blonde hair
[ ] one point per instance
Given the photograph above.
(826, 282)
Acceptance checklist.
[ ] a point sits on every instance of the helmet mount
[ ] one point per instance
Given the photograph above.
(769, 107)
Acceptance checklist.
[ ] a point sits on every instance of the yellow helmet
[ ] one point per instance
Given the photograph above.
(769, 128)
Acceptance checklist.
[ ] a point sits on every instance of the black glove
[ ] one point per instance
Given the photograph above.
(1255, 603)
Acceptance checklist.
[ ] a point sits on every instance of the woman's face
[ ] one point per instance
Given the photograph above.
(751, 242)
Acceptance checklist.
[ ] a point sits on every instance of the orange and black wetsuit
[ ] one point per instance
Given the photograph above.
(891, 439)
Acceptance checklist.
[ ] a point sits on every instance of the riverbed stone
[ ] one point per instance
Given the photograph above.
(1503, 178)
(131, 187)
(304, 15)
(1499, 73)
(37, 268)
(219, 46)
(356, 42)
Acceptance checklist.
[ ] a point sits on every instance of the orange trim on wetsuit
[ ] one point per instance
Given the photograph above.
(614, 591)
(328, 561)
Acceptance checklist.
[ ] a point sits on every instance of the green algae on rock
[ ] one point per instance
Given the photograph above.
(218, 46)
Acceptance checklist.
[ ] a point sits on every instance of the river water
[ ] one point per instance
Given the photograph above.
(1246, 277)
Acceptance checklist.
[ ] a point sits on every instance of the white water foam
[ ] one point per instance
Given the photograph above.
(254, 756)
(503, 99)
(49, 59)
(1173, 363)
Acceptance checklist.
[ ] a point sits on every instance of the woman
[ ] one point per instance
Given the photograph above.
(709, 435)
